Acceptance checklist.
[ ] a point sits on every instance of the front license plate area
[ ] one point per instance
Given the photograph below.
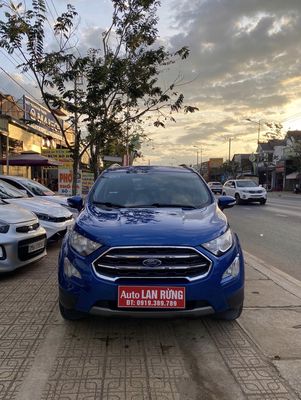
(36, 246)
(151, 297)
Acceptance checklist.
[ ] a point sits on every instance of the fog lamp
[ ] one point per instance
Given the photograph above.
(233, 270)
(2, 253)
(70, 270)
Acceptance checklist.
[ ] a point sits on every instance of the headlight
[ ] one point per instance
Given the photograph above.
(81, 244)
(42, 217)
(221, 244)
(4, 227)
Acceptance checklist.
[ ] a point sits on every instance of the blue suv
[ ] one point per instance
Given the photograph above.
(151, 241)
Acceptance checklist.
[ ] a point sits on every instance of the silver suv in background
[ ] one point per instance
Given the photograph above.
(22, 239)
(216, 187)
(245, 190)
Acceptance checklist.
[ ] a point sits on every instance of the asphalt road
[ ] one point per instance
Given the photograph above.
(271, 232)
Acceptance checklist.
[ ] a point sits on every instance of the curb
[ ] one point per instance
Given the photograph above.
(281, 278)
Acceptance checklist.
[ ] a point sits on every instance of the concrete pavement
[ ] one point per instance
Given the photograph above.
(43, 357)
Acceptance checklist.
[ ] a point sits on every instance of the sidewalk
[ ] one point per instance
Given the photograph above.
(42, 357)
(272, 318)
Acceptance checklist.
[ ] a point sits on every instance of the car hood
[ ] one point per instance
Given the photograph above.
(37, 205)
(57, 199)
(251, 188)
(11, 214)
(152, 226)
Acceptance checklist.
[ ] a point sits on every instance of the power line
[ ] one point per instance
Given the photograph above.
(19, 84)
(16, 64)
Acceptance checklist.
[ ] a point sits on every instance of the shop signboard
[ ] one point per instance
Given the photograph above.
(61, 155)
(87, 182)
(65, 177)
(41, 117)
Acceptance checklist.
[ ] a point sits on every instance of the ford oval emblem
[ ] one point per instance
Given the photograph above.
(152, 262)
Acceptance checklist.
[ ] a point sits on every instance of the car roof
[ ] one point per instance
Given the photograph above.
(148, 168)
(17, 178)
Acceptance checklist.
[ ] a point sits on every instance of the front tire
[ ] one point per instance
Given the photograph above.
(237, 198)
(69, 314)
(229, 315)
(262, 202)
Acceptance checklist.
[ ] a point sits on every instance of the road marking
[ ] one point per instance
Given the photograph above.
(32, 387)
(281, 215)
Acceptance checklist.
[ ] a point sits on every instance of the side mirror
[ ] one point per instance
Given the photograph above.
(76, 202)
(226, 202)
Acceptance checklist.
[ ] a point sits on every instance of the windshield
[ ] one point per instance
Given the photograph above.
(37, 188)
(246, 184)
(7, 191)
(151, 189)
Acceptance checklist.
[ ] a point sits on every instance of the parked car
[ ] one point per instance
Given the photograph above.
(35, 189)
(245, 190)
(53, 217)
(22, 239)
(151, 241)
(216, 187)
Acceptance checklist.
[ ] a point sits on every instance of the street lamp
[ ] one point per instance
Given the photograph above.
(197, 157)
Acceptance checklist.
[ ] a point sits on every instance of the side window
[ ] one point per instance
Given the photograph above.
(16, 185)
(233, 184)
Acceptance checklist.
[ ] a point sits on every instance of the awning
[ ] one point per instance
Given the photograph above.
(30, 160)
(293, 175)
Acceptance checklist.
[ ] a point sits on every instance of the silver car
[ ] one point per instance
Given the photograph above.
(216, 187)
(54, 218)
(22, 239)
(36, 189)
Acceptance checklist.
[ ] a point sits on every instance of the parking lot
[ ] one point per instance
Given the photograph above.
(43, 357)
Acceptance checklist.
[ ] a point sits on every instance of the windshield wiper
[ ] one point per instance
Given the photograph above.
(107, 204)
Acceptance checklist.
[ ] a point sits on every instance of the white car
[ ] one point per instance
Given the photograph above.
(36, 189)
(54, 218)
(216, 187)
(22, 239)
(245, 190)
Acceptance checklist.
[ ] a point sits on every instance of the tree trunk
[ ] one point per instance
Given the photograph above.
(95, 153)
(75, 167)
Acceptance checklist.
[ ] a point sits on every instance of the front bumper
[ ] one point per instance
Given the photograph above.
(253, 197)
(208, 295)
(11, 246)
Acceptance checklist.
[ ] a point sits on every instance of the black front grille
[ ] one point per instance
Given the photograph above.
(24, 245)
(27, 228)
(152, 262)
(60, 219)
(255, 191)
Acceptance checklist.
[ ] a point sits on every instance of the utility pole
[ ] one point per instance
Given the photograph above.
(7, 153)
(230, 149)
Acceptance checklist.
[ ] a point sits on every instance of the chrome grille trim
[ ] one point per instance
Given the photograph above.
(168, 256)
